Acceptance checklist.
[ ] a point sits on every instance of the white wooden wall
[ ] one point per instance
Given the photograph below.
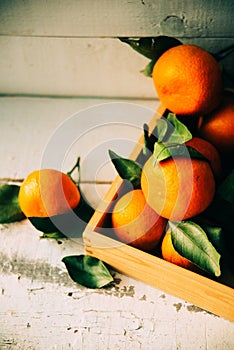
(70, 48)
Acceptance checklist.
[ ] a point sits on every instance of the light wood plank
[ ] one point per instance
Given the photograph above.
(56, 131)
(82, 67)
(79, 67)
(203, 292)
(117, 18)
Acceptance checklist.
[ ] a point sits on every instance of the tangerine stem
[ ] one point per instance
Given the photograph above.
(77, 165)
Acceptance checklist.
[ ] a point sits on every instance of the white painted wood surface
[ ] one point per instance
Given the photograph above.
(71, 48)
(71, 66)
(40, 307)
(81, 67)
(88, 18)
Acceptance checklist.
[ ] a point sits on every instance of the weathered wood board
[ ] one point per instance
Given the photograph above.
(71, 48)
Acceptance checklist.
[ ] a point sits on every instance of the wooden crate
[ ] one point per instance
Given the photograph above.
(216, 296)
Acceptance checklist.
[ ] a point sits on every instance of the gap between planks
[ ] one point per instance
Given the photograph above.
(5, 180)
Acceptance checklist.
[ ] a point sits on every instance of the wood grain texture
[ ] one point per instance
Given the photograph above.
(83, 66)
(203, 292)
(127, 18)
(30, 133)
(80, 67)
(49, 49)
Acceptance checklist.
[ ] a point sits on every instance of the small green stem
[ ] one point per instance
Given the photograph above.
(77, 165)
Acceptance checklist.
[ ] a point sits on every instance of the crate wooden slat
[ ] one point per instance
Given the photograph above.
(204, 292)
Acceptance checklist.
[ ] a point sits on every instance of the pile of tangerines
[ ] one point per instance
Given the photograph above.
(188, 81)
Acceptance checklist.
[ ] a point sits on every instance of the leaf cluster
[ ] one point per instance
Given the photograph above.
(200, 243)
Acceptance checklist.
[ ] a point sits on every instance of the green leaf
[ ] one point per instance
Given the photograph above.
(221, 242)
(180, 133)
(9, 206)
(161, 152)
(149, 141)
(216, 236)
(190, 241)
(127, 169)
(194, 154)
(53, 235)
(171, 130)
(164, 151)
(162, 129)
(226, 189)
(148, 70)
(87, 271)
(151, 47)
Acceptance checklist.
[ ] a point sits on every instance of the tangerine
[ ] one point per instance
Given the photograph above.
(178, 188)
(218, 126)
(188, 80)
(136, 223)
(209, 152)
(48, 192)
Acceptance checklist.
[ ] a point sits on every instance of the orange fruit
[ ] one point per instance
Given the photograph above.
(209, 152)
(135, 223)
(178, 188)
(48, 192)
(218, 126)
(170, 254)
(188, 80)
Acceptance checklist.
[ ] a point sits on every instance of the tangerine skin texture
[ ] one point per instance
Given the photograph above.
(188, 80)
(46, 193)
(218, 126)
(179, 188)
(135, 223)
